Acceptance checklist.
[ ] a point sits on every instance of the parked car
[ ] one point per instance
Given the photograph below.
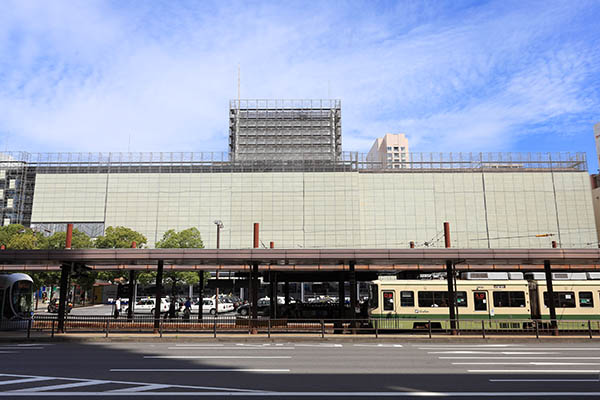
(53, 306)
(148, 306)
(208, 306)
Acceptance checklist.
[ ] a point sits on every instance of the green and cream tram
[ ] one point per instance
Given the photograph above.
(509, 299)
(16, 295)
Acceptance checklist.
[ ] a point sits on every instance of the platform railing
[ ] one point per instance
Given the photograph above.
(232, 324)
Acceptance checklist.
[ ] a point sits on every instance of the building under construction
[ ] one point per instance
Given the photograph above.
(285, 130)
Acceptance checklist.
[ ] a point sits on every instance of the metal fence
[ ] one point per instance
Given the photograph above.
(221, 325)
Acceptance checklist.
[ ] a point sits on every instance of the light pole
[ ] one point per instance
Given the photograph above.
(219, 225)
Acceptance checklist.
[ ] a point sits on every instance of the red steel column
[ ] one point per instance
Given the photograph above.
(69, 236)
(254, 281)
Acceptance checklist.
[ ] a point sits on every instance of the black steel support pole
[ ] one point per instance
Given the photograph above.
(275, 283)
(62, 299)
(451, 295)
(272, 294)
(341, 295)
(131, 295)
(200, 293)
(286, 293)
(551, 299)
(255, 291)
(353, 300)
(157, 303)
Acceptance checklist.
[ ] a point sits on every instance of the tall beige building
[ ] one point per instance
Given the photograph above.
(390, 151)
(597, 137)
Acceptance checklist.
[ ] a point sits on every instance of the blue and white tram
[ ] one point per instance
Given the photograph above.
(16, 297)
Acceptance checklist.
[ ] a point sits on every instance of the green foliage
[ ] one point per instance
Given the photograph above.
(17, 237)
(59, 239)
(44, 279)
(187, 239)
(120, 237)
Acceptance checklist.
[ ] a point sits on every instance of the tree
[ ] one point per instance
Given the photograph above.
(187, 239)
(120, 237)
(59, 241)
(18, 237)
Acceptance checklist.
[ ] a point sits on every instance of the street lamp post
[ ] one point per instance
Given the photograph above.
(219, 225)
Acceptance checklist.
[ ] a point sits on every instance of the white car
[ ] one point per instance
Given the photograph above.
(208, 306)
(147, 306)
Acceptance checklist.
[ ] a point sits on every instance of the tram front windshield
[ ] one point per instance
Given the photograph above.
(22, 293)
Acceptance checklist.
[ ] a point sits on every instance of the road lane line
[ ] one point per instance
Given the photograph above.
(308, 394)
(534, 371)
(519, 358)
(320, 345)
(214, 357)
(519, 349)
(199, 345)
(544, 380)
(521, 363)
(382, 345)
(62, 386)
(231, 348)
(492, 352)
(25, 380)
(199, 370)
(141, 388)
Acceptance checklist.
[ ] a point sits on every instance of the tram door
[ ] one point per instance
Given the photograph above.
(480, 301)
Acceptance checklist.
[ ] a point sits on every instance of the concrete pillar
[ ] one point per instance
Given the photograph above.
(157, 302)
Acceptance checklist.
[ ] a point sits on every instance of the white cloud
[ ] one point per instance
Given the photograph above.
(83, 76)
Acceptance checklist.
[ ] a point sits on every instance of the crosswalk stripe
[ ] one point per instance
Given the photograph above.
(62, 386)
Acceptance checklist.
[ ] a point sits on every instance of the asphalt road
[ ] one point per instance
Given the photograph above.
(310, 369)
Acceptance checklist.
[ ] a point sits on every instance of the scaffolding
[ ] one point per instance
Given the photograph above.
(262, 130)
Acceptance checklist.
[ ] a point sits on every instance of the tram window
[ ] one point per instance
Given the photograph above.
(373, 299)
(586, 299)
(561, 299)
(509, 299)
(440, 299)
(407, 298)
(388, 301)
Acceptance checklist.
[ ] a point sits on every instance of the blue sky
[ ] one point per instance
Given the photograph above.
(157, 76)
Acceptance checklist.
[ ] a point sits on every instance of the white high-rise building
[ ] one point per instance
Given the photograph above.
(390, 150)
(597, 136)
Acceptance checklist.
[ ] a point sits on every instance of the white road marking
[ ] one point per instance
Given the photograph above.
(231, 348)
(521, 363)
(198, 370)
(24, 380)
(521, 348)
(534, 371)
(379, 345)
(319, 345)
(309, 394)
(20, 393)
(544, 380)
(443, 346)
(212, 357)
(142, 388)
(492, 352)
(198, 345)
(519, 358)
(62, 386)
